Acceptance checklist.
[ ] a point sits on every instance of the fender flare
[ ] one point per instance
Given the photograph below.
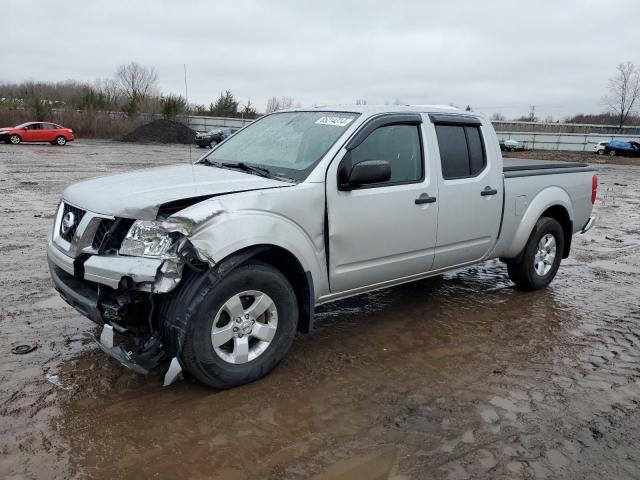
(549, 197)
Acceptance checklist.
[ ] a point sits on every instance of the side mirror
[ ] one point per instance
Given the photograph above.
(24, 128)
(366, 173)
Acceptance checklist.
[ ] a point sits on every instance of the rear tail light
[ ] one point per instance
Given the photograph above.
(594, 189)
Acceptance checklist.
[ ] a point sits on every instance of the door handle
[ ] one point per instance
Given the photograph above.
(488, 191)
(425, 198)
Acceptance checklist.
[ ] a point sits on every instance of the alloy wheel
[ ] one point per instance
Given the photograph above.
(244, 327)
(545, 255)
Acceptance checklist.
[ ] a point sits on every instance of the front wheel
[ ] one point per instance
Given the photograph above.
(612, 153)
(60, 140)
(541, 256)
(600, 152)
(15, 139)
(241, 327)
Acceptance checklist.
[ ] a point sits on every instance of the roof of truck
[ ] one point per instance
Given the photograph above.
(375, 109)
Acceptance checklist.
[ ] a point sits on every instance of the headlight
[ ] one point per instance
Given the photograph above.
(149, 239)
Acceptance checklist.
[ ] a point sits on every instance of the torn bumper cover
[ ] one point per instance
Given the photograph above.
(141, 361)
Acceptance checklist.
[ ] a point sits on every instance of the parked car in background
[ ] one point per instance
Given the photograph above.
(511, 146)
(617, 147)
(213, 137)
(37, 132)
(599, 147)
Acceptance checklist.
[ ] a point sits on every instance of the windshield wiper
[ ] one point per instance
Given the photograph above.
(211, 163)
(263, 172)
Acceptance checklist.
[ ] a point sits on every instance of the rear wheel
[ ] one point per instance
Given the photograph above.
(15, 139)
(612, 153)
(241, 327)
(60, 140)
(541, 257)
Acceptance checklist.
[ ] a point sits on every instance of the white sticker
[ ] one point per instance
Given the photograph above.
(335, 121)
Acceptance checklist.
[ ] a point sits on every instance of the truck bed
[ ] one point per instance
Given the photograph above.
(520, 167)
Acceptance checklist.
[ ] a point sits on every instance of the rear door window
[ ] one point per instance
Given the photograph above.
(462, 152)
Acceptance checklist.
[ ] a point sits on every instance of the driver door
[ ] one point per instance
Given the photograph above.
(386, 231)
(33, 133)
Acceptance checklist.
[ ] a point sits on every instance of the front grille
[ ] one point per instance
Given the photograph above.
(77, 214)
(102, 233)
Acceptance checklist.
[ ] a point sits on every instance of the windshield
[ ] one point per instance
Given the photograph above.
(288, 144)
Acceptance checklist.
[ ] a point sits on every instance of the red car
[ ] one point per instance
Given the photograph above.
(37, 132)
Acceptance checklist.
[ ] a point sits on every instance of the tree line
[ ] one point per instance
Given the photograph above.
(133, 90)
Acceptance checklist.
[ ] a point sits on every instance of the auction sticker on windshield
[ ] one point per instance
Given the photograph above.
(335, 121)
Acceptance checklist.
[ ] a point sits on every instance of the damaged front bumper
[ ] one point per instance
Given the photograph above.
(110, 270)
(90, 289)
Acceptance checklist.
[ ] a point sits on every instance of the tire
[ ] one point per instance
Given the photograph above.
(228, 364)
(61, 141)
(612, 153)
(15, 139)
(535, 270)
(213, 144)
(201, 146)
(600, 152)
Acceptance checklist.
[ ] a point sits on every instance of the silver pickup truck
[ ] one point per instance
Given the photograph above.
(215, 266)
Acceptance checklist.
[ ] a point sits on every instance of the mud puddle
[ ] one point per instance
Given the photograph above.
(456, 377)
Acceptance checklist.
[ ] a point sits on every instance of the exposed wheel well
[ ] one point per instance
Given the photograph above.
(560, 214)
(290, 267)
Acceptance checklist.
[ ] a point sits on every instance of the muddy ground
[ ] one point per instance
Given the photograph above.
(458, 377)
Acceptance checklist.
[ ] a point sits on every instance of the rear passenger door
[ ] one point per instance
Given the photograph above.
(470, 191)
(49, 132)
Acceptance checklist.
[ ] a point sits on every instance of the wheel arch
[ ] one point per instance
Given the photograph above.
(553, 202)
(286, 263)
(561, 215)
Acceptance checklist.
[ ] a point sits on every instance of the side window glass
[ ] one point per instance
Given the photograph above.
(397, 144)
(453, 151)
(461, 151)
(476, 150)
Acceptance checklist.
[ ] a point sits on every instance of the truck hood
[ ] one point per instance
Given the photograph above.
(140, 194)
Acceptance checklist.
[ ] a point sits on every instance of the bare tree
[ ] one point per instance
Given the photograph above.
(361, 101)
(274, 104)
(624, 92)
(136, 83)
(498, 117)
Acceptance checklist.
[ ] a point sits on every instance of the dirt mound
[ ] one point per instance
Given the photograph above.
(161, 131)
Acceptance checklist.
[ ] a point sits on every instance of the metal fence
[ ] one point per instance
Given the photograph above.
(204, 124)
(576, 142)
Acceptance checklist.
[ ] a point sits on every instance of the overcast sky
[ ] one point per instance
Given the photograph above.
(495, 56)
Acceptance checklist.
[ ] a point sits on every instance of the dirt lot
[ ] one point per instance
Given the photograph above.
(459, 377)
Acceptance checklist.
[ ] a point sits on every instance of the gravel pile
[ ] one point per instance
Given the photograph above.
(161, 131)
